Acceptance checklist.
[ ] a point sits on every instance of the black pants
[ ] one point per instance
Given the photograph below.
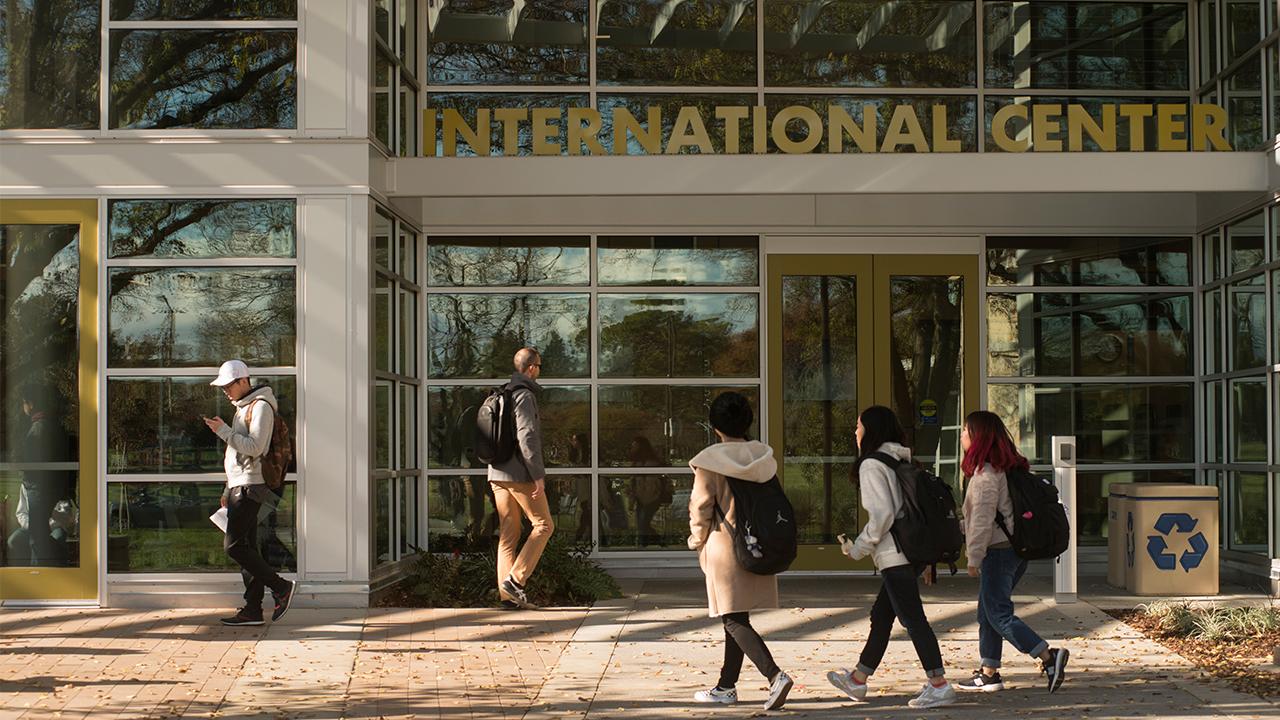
(742, 639)
(899, 599)
(241, 544)
(48, 548)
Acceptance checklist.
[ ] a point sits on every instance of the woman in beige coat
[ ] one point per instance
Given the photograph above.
(732, 592)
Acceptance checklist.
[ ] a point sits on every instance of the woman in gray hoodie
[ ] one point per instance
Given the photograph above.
(732, 592)
(878, 431)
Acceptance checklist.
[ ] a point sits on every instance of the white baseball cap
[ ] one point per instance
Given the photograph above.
(231, 371)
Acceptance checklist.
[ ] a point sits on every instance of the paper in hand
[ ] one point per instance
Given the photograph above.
(219, 518)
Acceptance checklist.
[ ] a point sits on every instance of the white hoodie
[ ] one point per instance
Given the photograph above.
(750, 460)
(248, 442)
(882, 499)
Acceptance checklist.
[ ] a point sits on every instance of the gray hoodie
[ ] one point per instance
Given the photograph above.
(882, 499)
(248, 437)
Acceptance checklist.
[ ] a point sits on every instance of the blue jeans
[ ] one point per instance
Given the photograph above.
(1001, 571)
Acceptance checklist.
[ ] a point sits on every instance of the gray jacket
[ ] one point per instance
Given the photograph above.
(525, 464)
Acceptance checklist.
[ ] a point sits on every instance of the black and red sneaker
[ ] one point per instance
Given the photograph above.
(283, 601)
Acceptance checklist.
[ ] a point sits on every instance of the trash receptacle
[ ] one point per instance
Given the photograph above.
(1174, 539)
(1117, 535)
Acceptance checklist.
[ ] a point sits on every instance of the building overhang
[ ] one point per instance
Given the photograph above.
(687, 175)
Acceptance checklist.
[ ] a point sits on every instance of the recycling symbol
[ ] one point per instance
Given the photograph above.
(1157, 548)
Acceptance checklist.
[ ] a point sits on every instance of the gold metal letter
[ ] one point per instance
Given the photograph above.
(546, 136)
(759, 129)
(1208, 127)
(1000, 128)
(429, 131)
(578, 135)
(840, 122)
(1042, 126)
(689, 129)
(1171, 121)
(511, 119)
(942, 143)
(732, 117)
(1136, 113)
(625, 123)
(904, 127)
(1079, 122)
(813, 131)
(477, 138)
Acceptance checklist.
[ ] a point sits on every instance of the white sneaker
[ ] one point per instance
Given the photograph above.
(778, 690)
(842, 679)
(933, 696)
(716, 695)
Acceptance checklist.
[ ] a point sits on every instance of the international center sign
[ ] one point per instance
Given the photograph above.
(800, 129)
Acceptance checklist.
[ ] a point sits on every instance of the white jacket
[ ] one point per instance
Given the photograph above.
(882, 499)
(248, 442)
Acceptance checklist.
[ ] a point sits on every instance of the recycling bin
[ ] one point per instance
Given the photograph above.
(1117, 534)
(1172, 543)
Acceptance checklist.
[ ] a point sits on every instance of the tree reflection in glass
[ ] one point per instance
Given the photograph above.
(496, 261)
(862, 43)
(678, 260)
(691, 42)
(671, 419)
(566, 425)
(476, 336)
(679, 335)
(203, 78)
(1091, 261)
(188, 317)
(155, 424)
(204, 9)
(202, 228)
(49, 64)
(495, 42)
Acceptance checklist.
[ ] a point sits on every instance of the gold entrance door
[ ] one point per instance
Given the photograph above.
(48, 400)
(849, 331)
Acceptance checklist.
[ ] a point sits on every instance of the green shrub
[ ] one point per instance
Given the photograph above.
(566, 575)
(1216, 624)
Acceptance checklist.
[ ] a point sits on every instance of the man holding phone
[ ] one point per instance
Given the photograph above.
(248, 437)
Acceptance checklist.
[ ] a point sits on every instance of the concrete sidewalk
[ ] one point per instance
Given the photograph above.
(638, 657)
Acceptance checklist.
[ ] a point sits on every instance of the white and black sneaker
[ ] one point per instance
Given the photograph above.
(981, 682)
(778, 690)
(1056, 668)
(717, 695)
(516, 591)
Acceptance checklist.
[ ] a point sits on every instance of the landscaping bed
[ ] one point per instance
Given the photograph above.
(1235, 644)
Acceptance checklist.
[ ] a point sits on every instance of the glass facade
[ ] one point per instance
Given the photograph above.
(395, 326)
(189, 284)
(1234, 44)
(1240, 385)
(638, 335)
(1095, 337)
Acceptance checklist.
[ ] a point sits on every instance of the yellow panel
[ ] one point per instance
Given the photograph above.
(78, 583)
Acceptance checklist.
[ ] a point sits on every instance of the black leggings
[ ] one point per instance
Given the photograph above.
(742, 639)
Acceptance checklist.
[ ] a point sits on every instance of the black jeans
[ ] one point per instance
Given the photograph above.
(899, 599)
(742, 639)
(241, 544)
(48, 548)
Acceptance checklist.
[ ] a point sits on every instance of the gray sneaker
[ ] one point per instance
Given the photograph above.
(842, 679)
(778, 690)
(517, 593)
(933, 697)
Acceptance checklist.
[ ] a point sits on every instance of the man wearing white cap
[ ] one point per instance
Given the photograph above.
(248, 438)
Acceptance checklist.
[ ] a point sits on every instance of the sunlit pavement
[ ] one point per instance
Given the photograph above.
(642, 656)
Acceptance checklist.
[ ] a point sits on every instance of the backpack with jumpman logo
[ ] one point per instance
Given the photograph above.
(765, 539)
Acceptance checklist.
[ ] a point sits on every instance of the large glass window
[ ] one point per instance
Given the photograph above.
(49, 59)
(395, 486)
(1095, 337)
(488, 42)
(653, 42)
(395, 85)
(638, 335)
(192, 283)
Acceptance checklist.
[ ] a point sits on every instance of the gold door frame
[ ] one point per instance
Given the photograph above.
(873, 273)
(81, 582)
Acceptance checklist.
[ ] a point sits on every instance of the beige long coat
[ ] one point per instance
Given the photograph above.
(730, 589)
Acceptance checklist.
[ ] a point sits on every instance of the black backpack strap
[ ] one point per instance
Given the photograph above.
(724, 519)
(1000, 523)
(885, 458)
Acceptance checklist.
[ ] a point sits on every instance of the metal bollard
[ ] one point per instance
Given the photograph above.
(1064, 478)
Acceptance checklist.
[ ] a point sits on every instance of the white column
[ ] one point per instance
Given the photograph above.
(1064, 477)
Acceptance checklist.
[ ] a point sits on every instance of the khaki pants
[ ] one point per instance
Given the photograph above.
(512, 499)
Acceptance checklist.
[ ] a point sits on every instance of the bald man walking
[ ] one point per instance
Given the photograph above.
(519, 487)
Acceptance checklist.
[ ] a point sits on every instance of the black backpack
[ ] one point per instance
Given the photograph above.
(495, 440)
(1040, 526)
(928, 529)
(765, 541)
